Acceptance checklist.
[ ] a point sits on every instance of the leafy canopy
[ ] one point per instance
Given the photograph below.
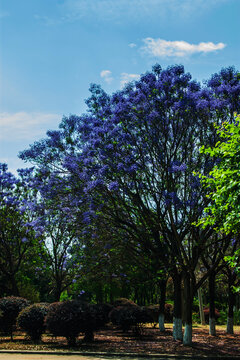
(223, 181)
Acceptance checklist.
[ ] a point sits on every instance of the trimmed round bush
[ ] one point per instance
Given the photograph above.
(124, 302)
(69, 318)
(10, 307)
(101, 312)
(130, 317)
(153, 312)
(114, 315)
(206, 312)
(168, 312)
(31, 320)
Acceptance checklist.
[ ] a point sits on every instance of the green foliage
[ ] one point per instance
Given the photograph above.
(196, 318)
(223, 185)
(223, 182)
(65, 296)
(31, 320)
(28, 290)
(222, 320)
(234, 262)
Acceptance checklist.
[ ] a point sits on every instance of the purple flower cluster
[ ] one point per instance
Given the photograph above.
(177, 166)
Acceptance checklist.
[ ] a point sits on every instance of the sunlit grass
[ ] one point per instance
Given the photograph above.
(197, 325)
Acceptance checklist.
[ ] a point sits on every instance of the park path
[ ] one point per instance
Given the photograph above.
(7, 356)
(14, 356)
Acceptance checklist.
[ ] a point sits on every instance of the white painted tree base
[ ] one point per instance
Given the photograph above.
(177, 329)
(161, 322)
(187, 338)
(229, 329)
(212, 327)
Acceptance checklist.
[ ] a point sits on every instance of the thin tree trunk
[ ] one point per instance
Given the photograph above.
(111, 291)
(162, 284)
(188, 300)
(212, 319)
(14, 286)
(202, 317)
(231, 303)
(177, 311)
(58, 291)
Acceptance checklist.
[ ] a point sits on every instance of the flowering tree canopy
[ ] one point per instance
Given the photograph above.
(131, 160)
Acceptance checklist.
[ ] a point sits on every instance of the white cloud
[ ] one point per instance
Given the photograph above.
(132, 45)
(125, 78)
(164, 48)
(107, 76)
(23, 125)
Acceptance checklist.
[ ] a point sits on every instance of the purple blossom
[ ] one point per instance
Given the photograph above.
(176, 166)
(171, 198)
(113, 186)
(120, 166)
(133, 168)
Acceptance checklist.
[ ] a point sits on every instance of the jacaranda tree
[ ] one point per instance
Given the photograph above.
(132, 156)
(140, 153)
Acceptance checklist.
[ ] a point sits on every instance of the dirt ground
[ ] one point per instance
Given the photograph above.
(151, 342)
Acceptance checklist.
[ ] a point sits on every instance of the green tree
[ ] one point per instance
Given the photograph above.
(223, 184)
(223, 181)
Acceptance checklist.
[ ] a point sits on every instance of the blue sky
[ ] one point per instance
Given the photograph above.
(51, 50)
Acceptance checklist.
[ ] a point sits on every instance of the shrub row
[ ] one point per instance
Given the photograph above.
(66, 319)
(69, 318)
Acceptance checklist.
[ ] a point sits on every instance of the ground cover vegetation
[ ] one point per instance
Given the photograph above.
(136, 198)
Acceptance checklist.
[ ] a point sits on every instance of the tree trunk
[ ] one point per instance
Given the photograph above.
(14, 290)
(202, 317)
(231, 303)
(188, 300)
(57, 292)
(162, 301)
(89, 336)
(111, 291)
(71, 340)
(99, 294)
(177, 311)
(212, 320)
